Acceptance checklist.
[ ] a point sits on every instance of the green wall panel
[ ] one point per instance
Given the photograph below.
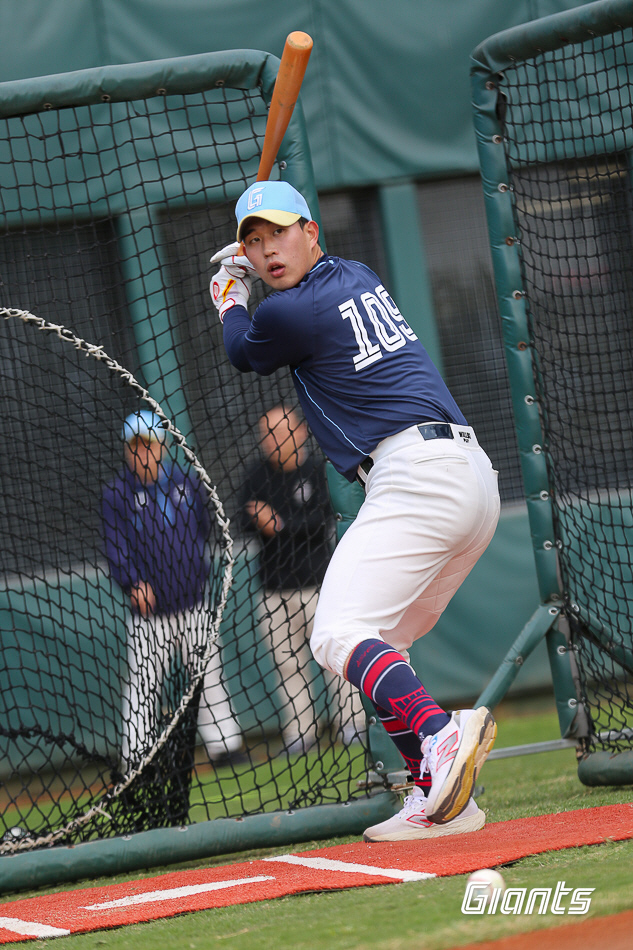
(458, 657)
(63, 649)
(80, 653)
(386, 93)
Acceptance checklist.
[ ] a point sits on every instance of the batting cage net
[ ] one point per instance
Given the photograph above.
(164, 520)
(562, 94)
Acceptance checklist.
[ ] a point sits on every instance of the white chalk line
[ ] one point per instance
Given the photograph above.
(327, 864)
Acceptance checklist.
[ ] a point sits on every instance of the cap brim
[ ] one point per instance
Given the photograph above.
(146, 436)
(284, 218)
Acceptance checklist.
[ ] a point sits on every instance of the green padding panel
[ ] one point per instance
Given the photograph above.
(64, 650)
(345, 497)
(61, 650)
(456, 660)
(386, 92)
(608, 541)
(604, 768)
(193, 842)
(53, 647)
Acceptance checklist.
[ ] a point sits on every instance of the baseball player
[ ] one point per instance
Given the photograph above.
(156, 527)
(383, 415)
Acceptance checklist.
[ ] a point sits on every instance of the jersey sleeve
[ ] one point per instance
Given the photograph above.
(118, 550)
(200, 507)
(279, 334)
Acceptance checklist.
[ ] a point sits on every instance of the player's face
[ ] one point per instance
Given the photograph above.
(282, 256)
(144, 457)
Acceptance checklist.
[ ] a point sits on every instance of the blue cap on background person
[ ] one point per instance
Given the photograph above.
(144, 424)
(274, 201)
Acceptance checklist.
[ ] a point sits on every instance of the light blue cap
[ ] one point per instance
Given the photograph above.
(145, 425)
(275, 201)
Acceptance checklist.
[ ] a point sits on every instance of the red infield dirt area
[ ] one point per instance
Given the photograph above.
(597, 933)
(336, 868)
(497, 844)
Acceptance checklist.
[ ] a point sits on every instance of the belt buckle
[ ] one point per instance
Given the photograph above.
(435, 430)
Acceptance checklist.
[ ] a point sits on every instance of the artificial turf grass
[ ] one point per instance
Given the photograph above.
(225, 792)
(422, 915)
(415, 916)
(219, 793)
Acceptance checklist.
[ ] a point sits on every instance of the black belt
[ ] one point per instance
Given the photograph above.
(436, 430)
(428, 430)
(365, 466)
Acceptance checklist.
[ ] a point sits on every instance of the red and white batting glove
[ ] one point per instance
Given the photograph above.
(232, 283)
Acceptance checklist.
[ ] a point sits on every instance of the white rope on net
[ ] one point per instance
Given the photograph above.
(98, 353)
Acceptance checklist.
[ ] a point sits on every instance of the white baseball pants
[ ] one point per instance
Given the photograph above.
(430, 511)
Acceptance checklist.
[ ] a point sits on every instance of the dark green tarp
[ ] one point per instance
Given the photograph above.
(386, 93)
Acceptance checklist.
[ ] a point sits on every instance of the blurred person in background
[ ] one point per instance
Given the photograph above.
(287, 506)
(156, 529)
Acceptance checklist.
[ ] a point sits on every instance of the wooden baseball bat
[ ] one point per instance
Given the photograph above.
(292, 67)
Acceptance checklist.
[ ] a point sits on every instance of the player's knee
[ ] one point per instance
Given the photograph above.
(323, 650)
(331, 648)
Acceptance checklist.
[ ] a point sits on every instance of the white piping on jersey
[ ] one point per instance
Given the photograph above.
(326, 259)
(331, 421)
(321, 262)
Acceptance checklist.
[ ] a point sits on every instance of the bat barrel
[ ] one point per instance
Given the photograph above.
(299, 41)
(294, 61)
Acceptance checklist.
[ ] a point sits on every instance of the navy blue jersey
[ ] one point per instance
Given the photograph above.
(360, 372)
(158, 533)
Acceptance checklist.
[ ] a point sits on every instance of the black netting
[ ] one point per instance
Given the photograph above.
(465, 304)
(567, 126)
(111, 213)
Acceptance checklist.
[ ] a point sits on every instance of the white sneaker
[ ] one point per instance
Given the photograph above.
(411, 823)
(454, 757)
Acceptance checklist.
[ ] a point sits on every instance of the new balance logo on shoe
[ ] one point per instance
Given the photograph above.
(420, 820)
(446, 750)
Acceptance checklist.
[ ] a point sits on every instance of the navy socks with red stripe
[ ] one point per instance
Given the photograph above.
(409, 747)
(381, 673)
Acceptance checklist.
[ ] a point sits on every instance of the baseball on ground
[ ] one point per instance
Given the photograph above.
(492, 879)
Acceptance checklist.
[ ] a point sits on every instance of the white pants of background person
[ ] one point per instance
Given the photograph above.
(430, 511)
(153, 643)
(289, 616)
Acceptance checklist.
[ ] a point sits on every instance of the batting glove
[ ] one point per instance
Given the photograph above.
(232, 283)
(231, 250)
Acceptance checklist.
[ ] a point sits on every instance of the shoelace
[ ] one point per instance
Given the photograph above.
(414, 800)
(425, 765)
